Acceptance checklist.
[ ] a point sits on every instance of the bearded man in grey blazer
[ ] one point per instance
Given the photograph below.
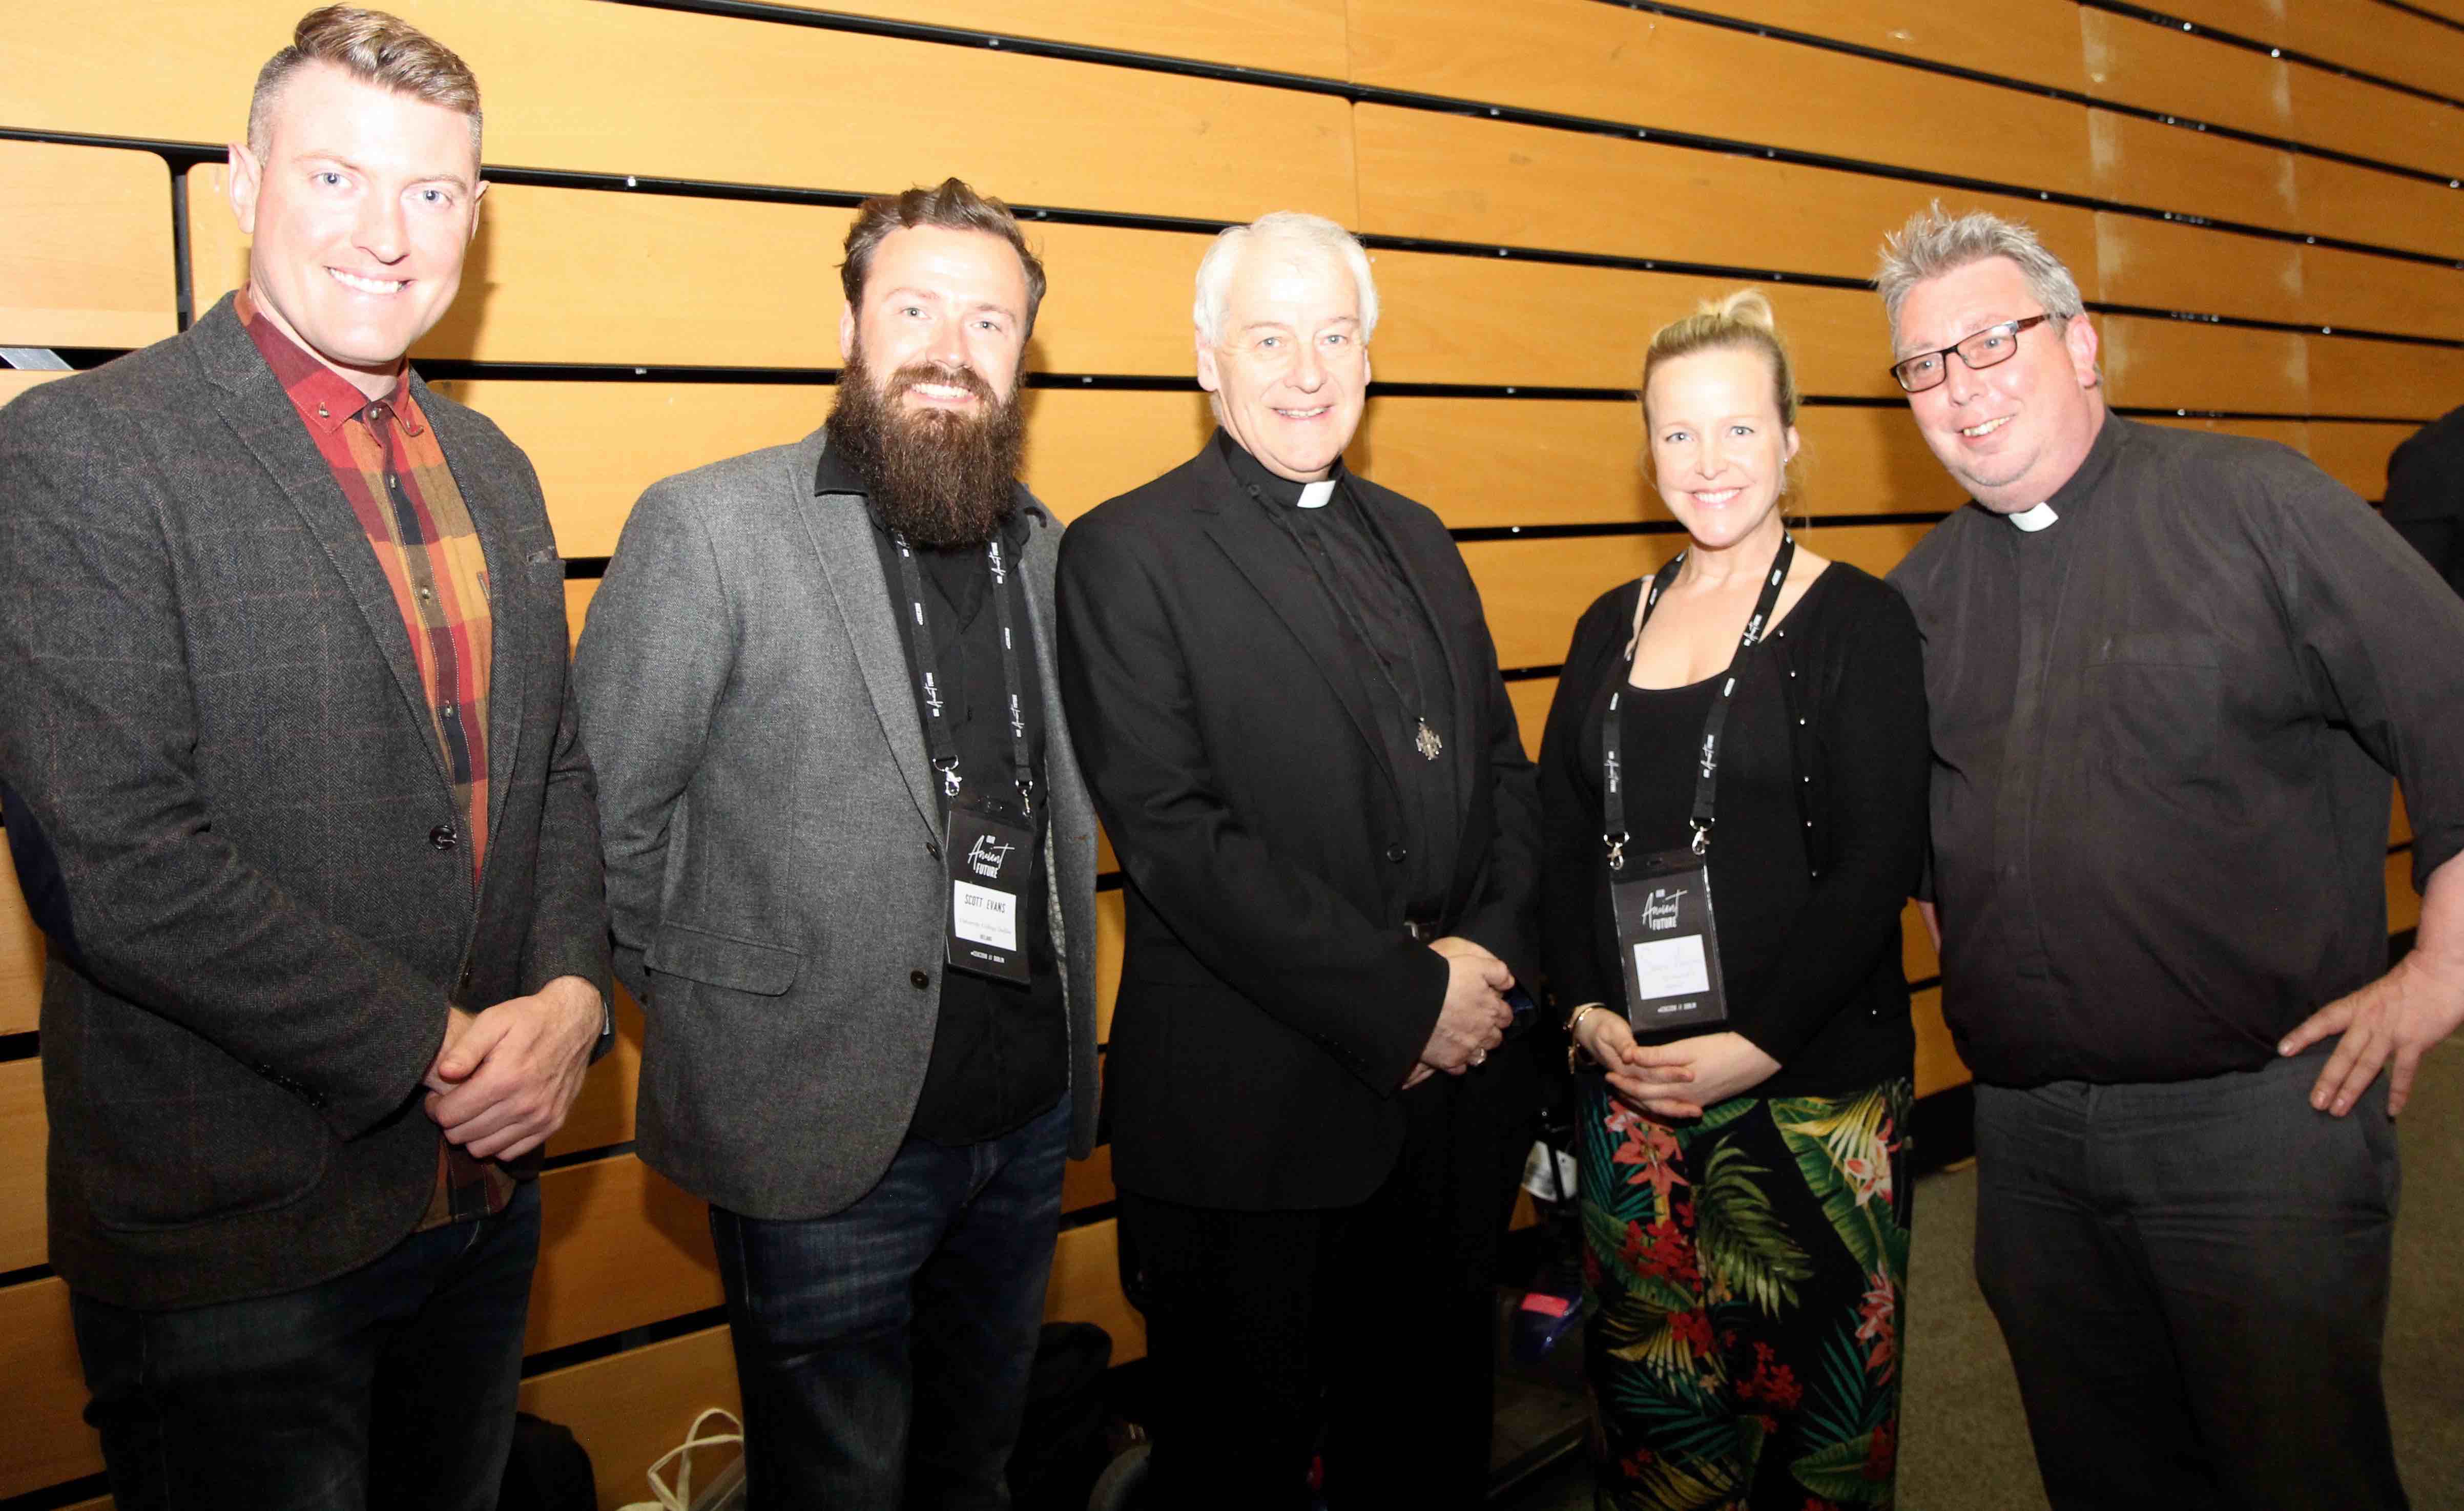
(296, 792)
(851, 876)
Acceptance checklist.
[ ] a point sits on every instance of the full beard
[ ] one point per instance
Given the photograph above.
(940, 478)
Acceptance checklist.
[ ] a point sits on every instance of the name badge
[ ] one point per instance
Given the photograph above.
(1669, 942)
(990, 850)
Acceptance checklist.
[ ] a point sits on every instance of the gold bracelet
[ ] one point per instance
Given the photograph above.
(1573, 1023)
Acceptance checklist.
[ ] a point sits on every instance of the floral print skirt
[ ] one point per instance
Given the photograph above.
(1746, 1272)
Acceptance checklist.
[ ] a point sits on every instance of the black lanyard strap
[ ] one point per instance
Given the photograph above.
(943, 744)
(1706, 779)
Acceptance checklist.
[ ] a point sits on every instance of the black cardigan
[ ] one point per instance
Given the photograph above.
(1856, 711)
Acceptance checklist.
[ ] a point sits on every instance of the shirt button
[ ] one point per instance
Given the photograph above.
(442, 836)
(933, 848)
(392, 481)
(1396, 853)
(445, 708)
(424, 595)
(918, 980)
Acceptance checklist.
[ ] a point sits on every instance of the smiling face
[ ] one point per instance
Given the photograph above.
(942, 326)
(357, 214)
(1291, 370)
(2013, 433)
(1719, 448)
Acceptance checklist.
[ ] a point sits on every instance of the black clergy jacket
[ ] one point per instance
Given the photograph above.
(1271, 1001)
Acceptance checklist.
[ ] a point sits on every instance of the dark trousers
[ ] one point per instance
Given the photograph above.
(882, 1350)
(2192, 1279)
(390, 1386)
(1373, 1323)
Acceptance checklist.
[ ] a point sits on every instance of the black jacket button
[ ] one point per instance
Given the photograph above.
(1396, 853)
(933, 848)
(442, 836)
(920, 979)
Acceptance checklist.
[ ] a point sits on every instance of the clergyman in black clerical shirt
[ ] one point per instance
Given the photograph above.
(2169, 674)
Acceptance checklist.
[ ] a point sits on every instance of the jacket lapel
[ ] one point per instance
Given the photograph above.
(508, 601)
(1274, 565)
(260, 414)
(842, 536)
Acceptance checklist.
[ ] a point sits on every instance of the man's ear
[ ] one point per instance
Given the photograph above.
(847, 333)
(2079, 337)
(479, 195)
(1208, 378)
(246, 177)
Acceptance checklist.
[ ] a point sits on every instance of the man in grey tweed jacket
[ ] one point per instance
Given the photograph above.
(296, 790)
(793, 685)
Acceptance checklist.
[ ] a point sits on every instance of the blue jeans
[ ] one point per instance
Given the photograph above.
(389, 1386)
(882, 1350)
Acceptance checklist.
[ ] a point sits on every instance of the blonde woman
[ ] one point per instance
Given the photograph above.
(1733, 781)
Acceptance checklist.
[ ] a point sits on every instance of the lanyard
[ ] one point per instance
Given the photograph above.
(936, 726)
(1706, 779)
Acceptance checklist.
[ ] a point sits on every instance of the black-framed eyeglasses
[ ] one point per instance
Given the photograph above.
(1995, 343)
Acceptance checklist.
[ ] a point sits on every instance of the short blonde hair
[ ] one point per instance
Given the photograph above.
(374, 47)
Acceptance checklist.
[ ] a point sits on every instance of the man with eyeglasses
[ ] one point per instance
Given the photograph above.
(2169, 674)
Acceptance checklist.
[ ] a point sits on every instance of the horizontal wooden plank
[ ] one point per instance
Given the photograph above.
(2167, 68)
(24, 1130)
(838, 110)
(732, 283)
(2356, 455)
(2259, 20)
(2037, 40)
(1479, 181)
(2378, 380)
(14, 382)
(2380, 293)
(1614, 63)
(47, 1440)
(628, 1409)
(2379, 40)
(1531, 697)
(85, 247)
(2179, 364)
(2148, 163)
(2352, 115)
(2382, 209)
(1462, 319)
(2404, 904)
(1085, 1286)
(2168, 265)
(622, 1247)
(1292, 36)
(1534, 590)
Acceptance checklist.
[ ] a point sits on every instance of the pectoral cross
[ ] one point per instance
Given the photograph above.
(1430, 746)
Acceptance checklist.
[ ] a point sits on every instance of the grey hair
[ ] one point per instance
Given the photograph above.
(1287, 229)
(1935, 242)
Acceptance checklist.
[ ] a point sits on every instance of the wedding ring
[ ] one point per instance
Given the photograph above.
(1480, 1057)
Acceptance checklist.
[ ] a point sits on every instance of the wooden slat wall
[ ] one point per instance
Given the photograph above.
(1551, 222)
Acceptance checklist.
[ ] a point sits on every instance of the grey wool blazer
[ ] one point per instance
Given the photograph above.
(774, 885)
(230, 814)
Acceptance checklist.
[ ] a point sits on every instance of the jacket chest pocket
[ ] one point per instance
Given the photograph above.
(2155, 701)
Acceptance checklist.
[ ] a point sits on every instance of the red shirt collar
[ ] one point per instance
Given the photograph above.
(324, 397)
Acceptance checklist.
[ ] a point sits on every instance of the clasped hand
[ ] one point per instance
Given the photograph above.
(505, 1078)
(1474, 1020)
(1673, 1080)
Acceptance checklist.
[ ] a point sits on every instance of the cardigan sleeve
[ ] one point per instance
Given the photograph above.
(1871, 744)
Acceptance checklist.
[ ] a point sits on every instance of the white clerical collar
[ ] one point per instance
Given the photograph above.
(2033, 520)
(1314, 495)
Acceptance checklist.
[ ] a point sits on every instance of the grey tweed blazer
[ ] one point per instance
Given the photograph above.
(227, 807)
(773, 881)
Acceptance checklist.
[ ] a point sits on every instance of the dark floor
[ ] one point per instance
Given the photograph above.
(1963, 1444)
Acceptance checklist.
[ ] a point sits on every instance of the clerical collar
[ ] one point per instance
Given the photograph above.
(1264, 485)
(2033, 520)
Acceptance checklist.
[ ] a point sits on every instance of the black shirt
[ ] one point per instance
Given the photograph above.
(2424, 494)
(1817, 840)
(2162, 733)
(1401, 661)
(1001, 1051)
